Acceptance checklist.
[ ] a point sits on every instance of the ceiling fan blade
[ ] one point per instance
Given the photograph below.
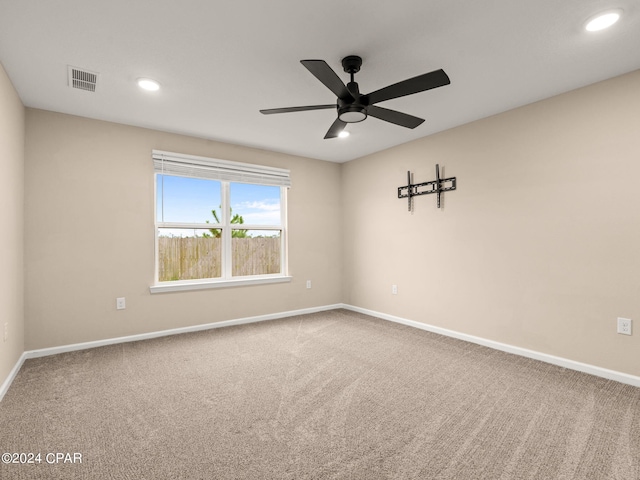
(393, 116)
(335, 129)
(323, 72)
(270, 111)
(430, 80)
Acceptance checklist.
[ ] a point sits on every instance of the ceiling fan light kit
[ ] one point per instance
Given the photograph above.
(354, 107)
(352, 113)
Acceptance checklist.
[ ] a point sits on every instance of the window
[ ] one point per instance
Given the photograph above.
(218, 223)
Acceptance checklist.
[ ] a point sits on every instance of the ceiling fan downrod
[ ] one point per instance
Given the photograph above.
(354, 111)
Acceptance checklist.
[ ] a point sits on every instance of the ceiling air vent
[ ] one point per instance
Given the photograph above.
(82, 79)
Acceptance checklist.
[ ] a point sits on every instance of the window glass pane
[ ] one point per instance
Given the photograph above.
(187, 200)
(255, 204)
(187, 254)
(255, 252)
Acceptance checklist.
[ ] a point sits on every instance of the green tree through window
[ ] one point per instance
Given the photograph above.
(235, 220)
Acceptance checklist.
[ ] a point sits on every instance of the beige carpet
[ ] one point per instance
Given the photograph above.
(324, 396)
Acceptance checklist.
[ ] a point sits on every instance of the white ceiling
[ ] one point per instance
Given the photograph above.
(219, 62)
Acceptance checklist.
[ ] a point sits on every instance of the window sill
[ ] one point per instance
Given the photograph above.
(207, 284)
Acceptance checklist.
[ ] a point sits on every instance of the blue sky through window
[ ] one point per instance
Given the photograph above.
(190, 200)
(257, 204)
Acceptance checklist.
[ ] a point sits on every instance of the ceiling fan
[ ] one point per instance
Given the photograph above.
(353, 107)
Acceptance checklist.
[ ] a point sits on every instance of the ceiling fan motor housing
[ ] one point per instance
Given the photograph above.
(352, 111)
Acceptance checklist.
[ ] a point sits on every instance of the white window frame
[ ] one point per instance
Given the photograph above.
(226, 172)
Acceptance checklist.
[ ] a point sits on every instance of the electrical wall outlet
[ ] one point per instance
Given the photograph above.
(624, 326)
(120, 304)
(394, 289)
(308, 283)
(6, 332)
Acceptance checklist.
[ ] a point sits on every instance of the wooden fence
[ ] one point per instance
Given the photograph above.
(196, 257)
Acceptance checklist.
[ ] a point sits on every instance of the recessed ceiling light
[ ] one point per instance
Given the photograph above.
(343, 134)
(603, 20)
(148, 84)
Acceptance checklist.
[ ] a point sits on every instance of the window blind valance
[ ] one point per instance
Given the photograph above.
(169, 163)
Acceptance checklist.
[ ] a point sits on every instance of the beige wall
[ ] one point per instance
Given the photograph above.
(12, 221)
(540, 245)
(89, 234)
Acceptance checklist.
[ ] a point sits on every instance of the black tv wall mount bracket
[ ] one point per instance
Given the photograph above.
(437, 186)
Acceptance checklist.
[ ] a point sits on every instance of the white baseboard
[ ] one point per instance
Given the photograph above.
(43, 352)
(562, 362)
(543, 357)
(12, 374)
